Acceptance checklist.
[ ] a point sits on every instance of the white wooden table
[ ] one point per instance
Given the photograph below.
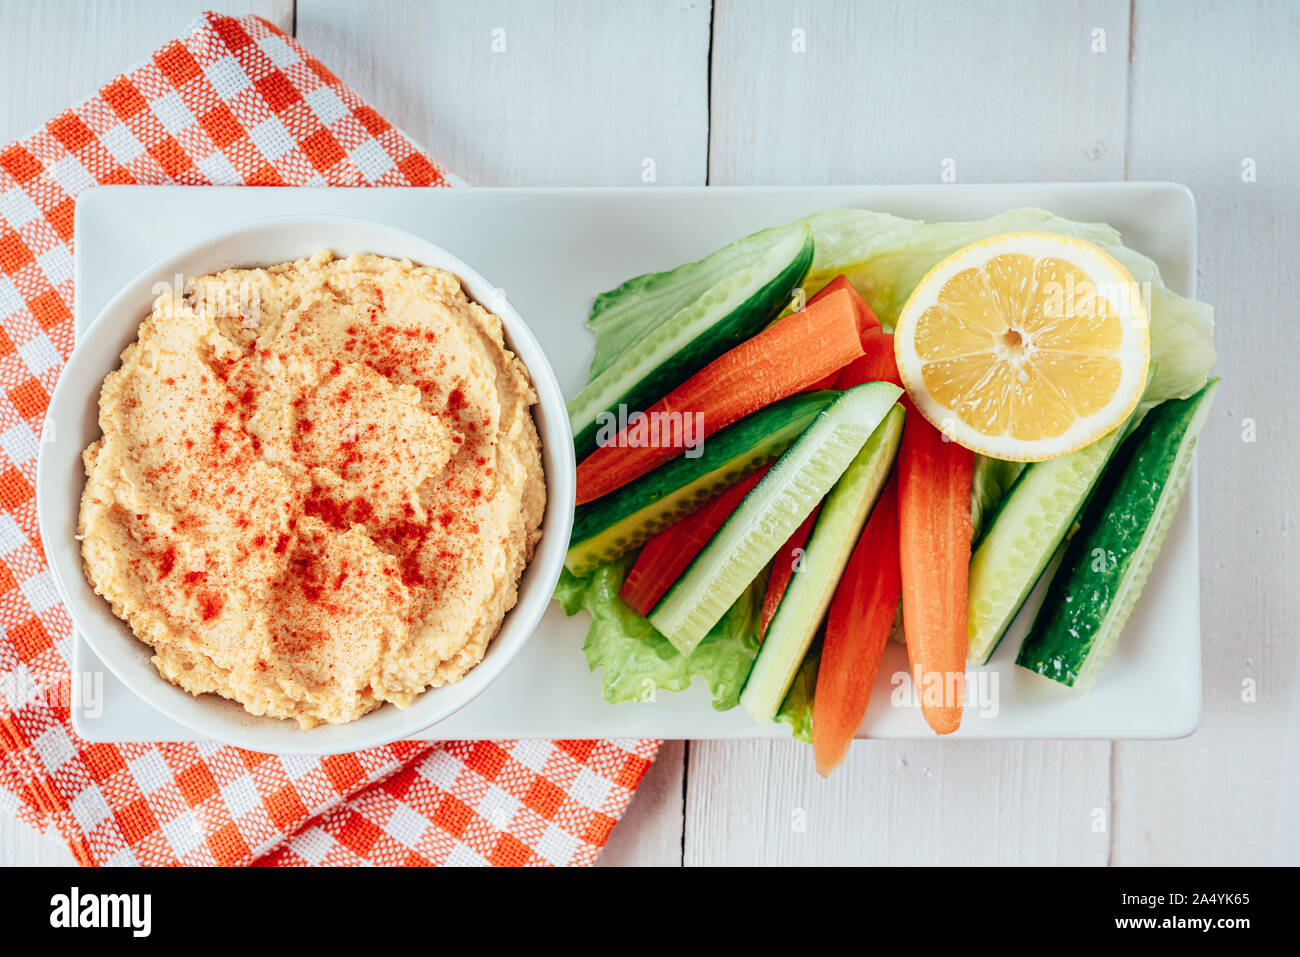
(767, 92)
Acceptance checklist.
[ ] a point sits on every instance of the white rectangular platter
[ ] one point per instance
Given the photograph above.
(552, 251)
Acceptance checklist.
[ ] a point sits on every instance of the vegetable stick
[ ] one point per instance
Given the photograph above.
(783, 359)
(783, 569)
(667, 555)
(857, 630)
(867, 321)
(934, 479)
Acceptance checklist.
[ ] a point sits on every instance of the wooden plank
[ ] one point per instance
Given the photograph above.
(897, 802)
(54, 54)
(650, 833)
(20, 846)
(886, 92)
(646, 71)
(58, 52)
(874, 100)
(542, 94)
(538, 94)
(1230, 794)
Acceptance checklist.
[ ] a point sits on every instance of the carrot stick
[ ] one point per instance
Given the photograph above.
(875, 365)
(664, 557)
(867, 321)
(934, 479)
(866, 318)
(783, 566)
(857, 629)
(784, 359)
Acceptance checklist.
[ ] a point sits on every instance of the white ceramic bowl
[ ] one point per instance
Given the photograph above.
(72, 424)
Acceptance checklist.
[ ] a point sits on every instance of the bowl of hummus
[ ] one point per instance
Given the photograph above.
(307, 485)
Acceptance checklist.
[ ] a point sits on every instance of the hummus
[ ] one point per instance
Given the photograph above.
(317, 487)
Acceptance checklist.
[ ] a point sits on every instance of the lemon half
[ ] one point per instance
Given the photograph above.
(1025, 346)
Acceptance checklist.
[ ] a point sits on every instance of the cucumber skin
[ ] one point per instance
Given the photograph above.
(732, 444)
(982, 558)
(686, 645)
(737, 326)
(799, 616)
(1118, 521)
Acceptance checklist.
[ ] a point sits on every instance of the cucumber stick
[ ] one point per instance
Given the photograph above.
(615, 523)
(736, 306)
(804, 605)
(1023, 535)
(768, 515)
(1107, 562)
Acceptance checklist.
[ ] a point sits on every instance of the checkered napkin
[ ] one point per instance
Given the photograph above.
(234, 101)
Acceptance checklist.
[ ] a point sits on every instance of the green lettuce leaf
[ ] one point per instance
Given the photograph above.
(797, 708)
(638, 661)
(885, 257)
(622, 317)
(990, 482)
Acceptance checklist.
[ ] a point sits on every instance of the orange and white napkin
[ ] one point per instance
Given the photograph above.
(234, 101)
